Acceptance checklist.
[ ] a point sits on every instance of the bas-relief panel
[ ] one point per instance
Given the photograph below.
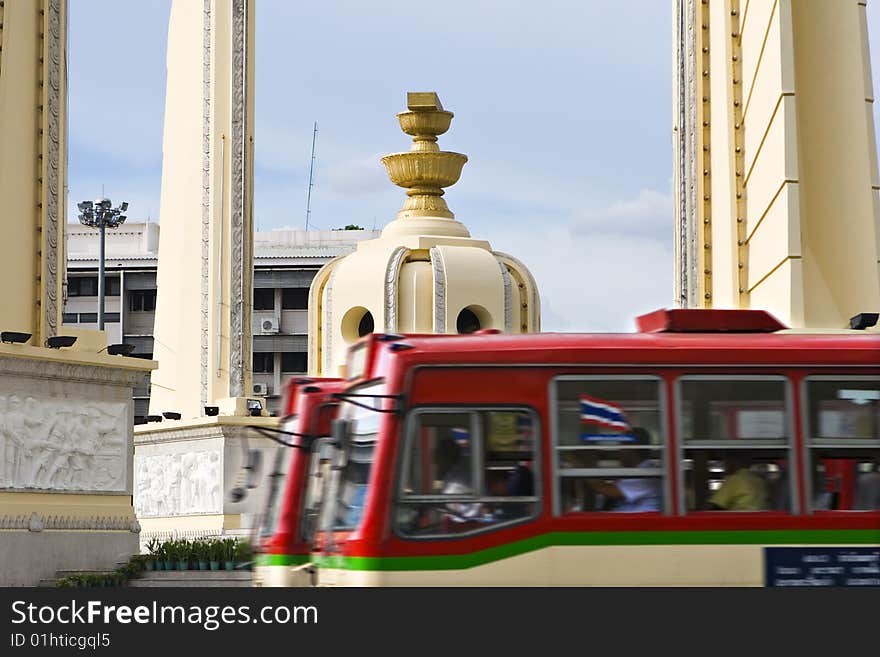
(61, 444)
(178, 484)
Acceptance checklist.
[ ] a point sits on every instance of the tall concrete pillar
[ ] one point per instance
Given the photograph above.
(185, 468)
(202, 330)
(777, 187)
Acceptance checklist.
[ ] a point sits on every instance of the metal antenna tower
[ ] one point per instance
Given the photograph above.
(311, 171)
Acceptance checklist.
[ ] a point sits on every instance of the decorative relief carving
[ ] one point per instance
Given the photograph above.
(206, 191)
(174, 484)
(530, 292)
(329, 329)
(439, 291)
(36, 523)
(56, 444)
(508, 302)
(239, 188)
(391, 275)
(11, 367)
(685, 161)
(52, 200)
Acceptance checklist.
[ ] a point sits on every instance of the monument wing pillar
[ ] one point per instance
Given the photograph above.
(776, 178)
(202, 331)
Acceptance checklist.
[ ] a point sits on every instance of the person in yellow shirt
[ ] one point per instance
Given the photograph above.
(742, 490)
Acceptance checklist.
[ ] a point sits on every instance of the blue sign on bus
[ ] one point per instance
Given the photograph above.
(821, 566)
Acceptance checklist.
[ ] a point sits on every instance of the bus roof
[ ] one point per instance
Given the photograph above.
(659, 348)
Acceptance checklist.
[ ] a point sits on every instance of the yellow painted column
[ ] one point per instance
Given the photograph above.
(33, 164)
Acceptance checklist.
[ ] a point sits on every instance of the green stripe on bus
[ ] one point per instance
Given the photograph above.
(282, 559)
(463, 561)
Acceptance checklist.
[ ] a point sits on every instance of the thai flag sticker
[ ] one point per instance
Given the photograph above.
(603, 413)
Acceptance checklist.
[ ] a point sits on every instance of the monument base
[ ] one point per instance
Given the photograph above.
(30, 556)
(65, 461)
(185, 471)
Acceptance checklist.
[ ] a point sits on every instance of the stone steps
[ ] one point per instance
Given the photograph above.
(193, 578)
(68, 573)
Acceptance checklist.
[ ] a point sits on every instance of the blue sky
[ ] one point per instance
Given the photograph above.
(563, 108)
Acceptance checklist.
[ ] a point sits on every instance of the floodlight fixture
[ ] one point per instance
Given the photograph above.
(154, 418)
(863, 320)
(254, 407)
(121, 349)
(211, 411)
(58, 341)
(14, 337)
(170, 415)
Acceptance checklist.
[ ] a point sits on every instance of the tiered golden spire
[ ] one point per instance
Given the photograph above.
(424, 170)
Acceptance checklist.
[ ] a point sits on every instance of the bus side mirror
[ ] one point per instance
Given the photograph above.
(251, 472)
(254, 464)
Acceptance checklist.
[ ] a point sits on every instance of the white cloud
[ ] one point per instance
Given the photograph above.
(356, 177)
(649, 214)
(602, 278)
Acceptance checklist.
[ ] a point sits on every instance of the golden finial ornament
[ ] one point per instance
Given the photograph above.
(424, 170)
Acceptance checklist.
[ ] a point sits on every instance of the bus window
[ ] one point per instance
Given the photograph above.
(844, 438)
(466, 471)
(277, 479)
(609, 444)
(319, 471)
(736, 440)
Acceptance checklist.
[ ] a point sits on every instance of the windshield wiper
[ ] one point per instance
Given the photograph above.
(350, 397)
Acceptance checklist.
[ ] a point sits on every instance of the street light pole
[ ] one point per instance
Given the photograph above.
(99, 214)
(101, 281)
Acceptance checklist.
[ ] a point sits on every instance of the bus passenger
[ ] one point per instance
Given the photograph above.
(453, 468)
(633, 494)
(742, 489)
(519, 482)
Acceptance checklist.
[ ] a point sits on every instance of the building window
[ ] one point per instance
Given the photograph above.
(264, 363)
(294, 361)
(735, 435)
(69, 318)
(111, 318)
(142, 300)
(843, 425)
(610, 444)
(88, 318)
(82, 286)
(467, 471)
(264, 298)
(111, 286)
(295, 298)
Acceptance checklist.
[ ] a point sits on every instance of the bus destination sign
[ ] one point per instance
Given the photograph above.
(821, 566)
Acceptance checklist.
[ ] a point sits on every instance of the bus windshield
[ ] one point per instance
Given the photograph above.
(277, 480)
(342, 479)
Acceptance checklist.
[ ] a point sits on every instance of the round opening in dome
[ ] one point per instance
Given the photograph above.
(356, 323)
(365, 326)
(467, 321)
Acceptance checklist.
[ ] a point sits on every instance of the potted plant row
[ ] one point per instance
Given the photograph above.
(202, 554)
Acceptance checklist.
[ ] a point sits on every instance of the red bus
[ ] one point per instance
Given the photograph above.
(309, 407)
(710, 448)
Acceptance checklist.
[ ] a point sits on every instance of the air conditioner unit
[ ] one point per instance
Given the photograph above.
(261, 389)
(269, 325)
